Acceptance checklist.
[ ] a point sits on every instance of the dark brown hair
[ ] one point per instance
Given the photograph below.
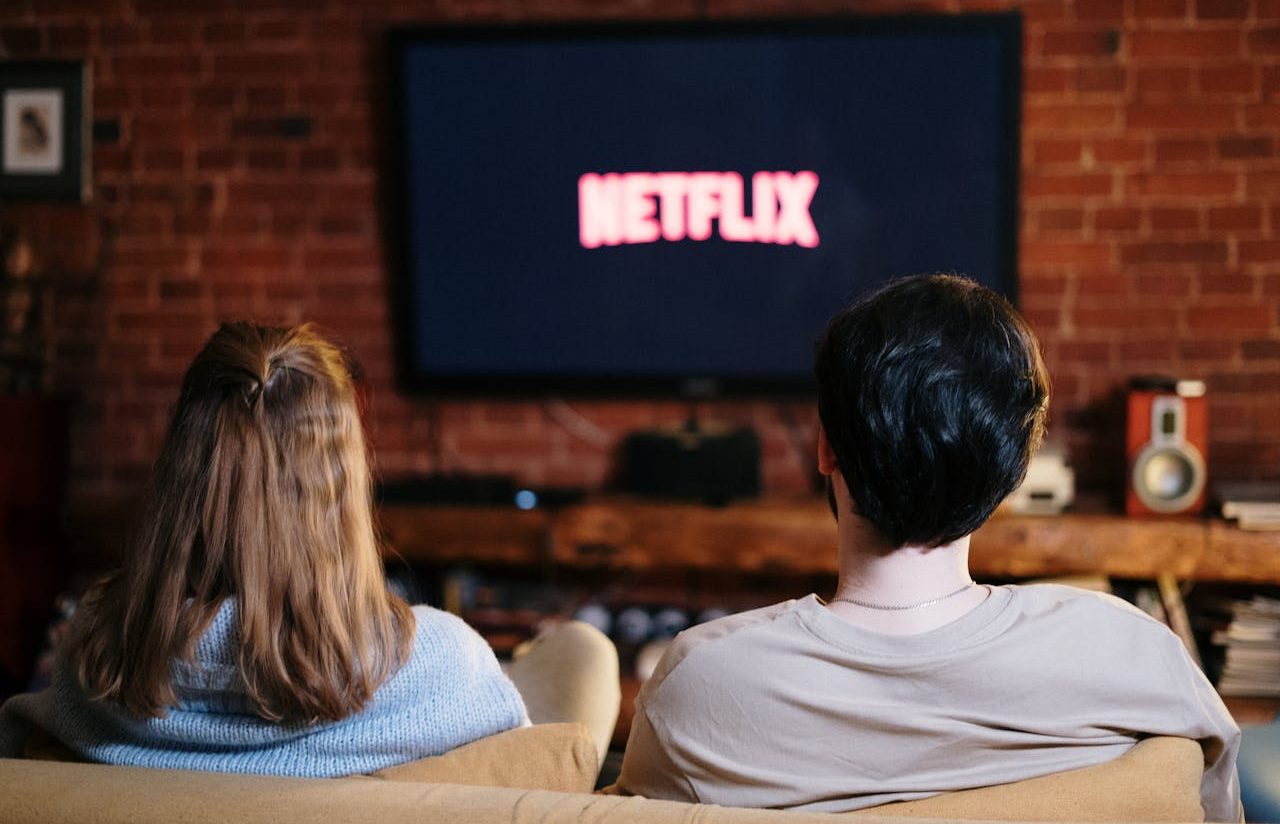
(933, 395)
(262, 494)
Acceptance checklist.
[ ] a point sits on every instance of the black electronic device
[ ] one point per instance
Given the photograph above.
(708, 464)
(680, 207)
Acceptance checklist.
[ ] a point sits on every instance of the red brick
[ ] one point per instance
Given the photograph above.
(162, 160)
(1268, 9)
(1265, 41)
(1262, 382)
(267, 159)
(1261, 251)
(340, 256)
(1181, 116)
(1060, 220)
(215, 159)
(1146, 350)
(1041, 80)
(318, 159)
(1117, 317)
(223, 32)
(275, 64)
(153, 256)
(1264, 116)
(166, 68)
(1099, 10)
(269, 97)
(1174, 220)
(171, 32)
(1098, 79)
(1076, 42)
(163, 97)
(1200, 43)
(1182, 184)
(180, 289)
(1165, 285)
(1162, 81)
(1235, 218)
(1206, 350)
(21, 40)
(1244, 148)
(1260, 349)
(1236, 78)
(1190, 252)
(1078, 185)
(1159, 9)
(1042, 286)
(1120, 150)
(1057, 151)
(280, 29)
(1230, 318)
(1183, 151)
(245, 258)
(1052, 253)
(1222, 9)
(1261, 183)
(1088, 352)
(1055, 117)
(214, 97)
(1236, 285)
(1122, 219)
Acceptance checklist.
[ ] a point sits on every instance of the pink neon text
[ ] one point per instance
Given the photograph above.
(643, 207)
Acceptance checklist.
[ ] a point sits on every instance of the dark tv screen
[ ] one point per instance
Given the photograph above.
(680, 208)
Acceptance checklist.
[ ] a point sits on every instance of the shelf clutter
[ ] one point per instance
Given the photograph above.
(1251, 647)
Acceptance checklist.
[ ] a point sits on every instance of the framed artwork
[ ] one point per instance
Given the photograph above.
(44, 131)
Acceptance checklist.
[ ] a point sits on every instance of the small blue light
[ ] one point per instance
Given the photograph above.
(526, 499)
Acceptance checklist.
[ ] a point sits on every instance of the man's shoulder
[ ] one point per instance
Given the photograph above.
(696, 644)
(1098, 621)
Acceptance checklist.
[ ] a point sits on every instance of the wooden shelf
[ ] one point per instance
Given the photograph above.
(799, 537)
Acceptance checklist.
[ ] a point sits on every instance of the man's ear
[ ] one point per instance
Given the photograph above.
(826, 455)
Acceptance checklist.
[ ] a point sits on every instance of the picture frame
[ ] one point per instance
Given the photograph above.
(44, 131)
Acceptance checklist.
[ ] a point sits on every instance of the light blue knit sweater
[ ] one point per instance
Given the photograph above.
(449, 692)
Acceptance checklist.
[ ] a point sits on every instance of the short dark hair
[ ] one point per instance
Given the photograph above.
(933, 395)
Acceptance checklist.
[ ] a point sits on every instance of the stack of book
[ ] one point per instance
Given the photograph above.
(1251, 641)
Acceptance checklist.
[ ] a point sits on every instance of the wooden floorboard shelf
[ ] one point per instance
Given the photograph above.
(798, 537)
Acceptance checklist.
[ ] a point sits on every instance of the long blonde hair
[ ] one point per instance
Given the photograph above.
(261, 494)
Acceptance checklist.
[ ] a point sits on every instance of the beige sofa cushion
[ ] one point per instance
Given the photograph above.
(558, 757)
(1157, 780)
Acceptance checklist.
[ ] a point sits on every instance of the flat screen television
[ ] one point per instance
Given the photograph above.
(678, 208)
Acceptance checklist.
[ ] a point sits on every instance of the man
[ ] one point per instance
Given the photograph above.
(913, 680)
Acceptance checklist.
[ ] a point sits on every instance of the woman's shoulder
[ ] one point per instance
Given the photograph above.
(443, 635)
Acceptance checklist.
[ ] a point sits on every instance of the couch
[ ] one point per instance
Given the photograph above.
(545, 773)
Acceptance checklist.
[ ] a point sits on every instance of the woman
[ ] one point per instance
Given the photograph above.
(251, 629)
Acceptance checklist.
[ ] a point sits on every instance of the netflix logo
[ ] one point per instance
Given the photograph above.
(644, 207)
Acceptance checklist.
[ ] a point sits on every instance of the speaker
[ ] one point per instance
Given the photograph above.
(1167, 447)
(704, 463)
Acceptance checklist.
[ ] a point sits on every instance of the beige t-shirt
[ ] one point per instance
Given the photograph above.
(790, 706)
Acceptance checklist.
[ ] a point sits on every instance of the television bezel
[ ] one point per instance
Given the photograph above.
(417, 381)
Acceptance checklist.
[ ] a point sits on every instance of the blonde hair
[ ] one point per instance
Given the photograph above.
(261, 494)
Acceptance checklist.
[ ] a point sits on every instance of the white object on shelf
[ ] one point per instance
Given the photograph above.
(1049, 488)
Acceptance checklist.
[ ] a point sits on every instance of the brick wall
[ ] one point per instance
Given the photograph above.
(242, 184)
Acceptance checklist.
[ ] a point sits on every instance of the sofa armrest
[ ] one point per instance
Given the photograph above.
(1157, 780)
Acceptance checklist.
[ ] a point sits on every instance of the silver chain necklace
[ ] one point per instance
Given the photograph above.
(895, 607)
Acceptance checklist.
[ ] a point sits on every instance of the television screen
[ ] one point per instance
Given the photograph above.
(679, 208)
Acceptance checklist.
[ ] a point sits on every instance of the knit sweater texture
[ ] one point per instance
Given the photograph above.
(450, 691)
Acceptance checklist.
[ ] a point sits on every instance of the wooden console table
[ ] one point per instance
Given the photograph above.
(798, 537)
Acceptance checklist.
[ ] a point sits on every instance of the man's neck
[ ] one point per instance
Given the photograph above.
(874, 573)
